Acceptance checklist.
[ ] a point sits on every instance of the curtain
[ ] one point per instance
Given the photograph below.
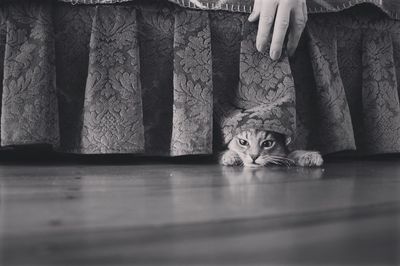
(154, 78)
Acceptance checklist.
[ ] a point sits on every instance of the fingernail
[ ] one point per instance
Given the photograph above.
(258, 46)
(251, 17)
(275, 55)
(261, 48)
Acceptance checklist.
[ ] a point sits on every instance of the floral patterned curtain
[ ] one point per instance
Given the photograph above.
(157, 79)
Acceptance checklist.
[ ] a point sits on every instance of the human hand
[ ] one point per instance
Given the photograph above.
(288, 15)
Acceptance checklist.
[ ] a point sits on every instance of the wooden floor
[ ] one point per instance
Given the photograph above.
(347, 213)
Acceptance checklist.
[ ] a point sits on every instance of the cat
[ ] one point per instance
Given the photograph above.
(257, 148)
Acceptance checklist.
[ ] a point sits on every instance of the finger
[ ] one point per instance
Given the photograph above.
(281, 25)
(267, 17)
(256, 11)
(297, 24)
(304, 7)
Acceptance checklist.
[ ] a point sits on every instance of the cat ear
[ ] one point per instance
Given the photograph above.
(288, 140)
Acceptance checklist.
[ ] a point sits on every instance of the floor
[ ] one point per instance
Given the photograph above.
(346, 213)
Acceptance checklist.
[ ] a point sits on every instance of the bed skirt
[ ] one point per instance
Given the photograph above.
(158, 79)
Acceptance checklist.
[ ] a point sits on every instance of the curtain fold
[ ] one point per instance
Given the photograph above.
(192, 123)
(335, 129)
(380, 93)
(29, 103)
(156, 32)
(72, 38)
(113, 112)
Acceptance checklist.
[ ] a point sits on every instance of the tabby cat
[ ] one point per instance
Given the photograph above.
(256, 148)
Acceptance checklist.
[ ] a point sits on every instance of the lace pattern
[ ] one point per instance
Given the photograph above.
(391, 7)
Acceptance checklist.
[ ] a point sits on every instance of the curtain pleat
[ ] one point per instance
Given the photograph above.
(3, 33)
(335, 130)
(29, 103)
(380, 94)
(72, 37)
(226, 40)
(113, 116)
(192, 124)
(349, 55)
(156, 35)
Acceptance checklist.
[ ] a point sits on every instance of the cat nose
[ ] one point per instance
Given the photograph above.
(254, 157)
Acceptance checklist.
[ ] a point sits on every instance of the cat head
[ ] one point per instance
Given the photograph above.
(259, 148)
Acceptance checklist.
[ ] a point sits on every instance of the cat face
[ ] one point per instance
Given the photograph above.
(259, 148)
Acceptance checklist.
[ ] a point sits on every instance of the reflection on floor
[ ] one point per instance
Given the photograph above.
(200, 214)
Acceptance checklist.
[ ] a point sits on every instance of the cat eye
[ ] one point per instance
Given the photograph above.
(268, 144)
(243, 142)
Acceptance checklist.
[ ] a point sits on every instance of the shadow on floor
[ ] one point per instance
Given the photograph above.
(39, 154)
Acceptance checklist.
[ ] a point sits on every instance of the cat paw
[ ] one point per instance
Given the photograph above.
(229, 158)
(310, 159)
(307, 158)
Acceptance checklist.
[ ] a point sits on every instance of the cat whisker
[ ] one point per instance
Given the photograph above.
(273, 162)
(283, 158)
(279, 160)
